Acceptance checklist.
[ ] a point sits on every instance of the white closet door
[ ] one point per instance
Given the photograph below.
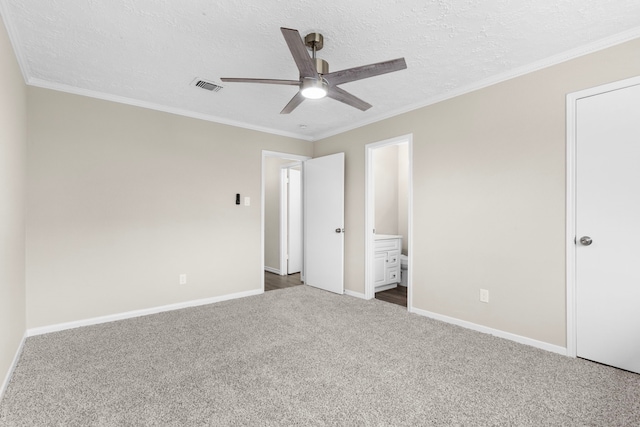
(608, 216)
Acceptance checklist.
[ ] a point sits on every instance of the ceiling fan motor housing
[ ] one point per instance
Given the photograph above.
(322, 66)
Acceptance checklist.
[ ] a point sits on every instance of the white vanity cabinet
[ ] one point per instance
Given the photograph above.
(387, 261)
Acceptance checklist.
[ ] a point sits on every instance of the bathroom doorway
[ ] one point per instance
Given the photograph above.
(388, 222)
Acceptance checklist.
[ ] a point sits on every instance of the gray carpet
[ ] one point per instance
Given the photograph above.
(300, 356)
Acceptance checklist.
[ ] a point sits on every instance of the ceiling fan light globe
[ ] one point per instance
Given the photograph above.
(314, 93)
(313, 89)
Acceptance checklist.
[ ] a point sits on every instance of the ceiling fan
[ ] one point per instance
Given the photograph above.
(315, 79)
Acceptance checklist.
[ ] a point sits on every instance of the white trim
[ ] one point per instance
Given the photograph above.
(369, 222)
(410, 263)
(265, 154)
(138, 313)
(284, 220)
(273, 270)
(158, 107)
(571, 182)
(496, 332)
(296, 157)
(12, 367)
(499, 78)
(354, 294)
(570, 228)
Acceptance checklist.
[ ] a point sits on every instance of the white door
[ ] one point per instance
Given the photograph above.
(324, 222)
(608, 216)
(294, 217)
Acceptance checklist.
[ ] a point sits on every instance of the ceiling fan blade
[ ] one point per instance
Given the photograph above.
(295, 101)
(266, 81)
(344, 96)
(365, 71)
(299, 52)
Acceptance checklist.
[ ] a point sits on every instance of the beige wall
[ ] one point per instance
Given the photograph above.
(403, 195)
(13, 141)
(385, 177)
(489, 196)
(390, 174)
(122, 200)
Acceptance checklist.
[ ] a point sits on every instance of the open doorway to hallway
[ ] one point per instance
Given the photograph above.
(282, 220)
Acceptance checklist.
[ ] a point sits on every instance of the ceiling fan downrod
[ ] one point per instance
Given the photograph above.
(315, 42)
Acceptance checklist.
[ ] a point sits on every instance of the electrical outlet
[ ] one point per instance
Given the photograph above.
(484, 295)
(183, 279)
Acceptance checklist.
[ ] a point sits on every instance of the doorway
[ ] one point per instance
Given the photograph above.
(603, 208)
(389, 220)
(323, 218)
(275, 168)
(291, 218)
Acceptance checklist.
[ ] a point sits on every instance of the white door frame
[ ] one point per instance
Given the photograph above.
(284, 216)
(571, 180)
(284, 219)
(369, 223)
(265, 154)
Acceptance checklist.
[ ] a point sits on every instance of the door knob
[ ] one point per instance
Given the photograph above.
(586, 240)
(339, 230)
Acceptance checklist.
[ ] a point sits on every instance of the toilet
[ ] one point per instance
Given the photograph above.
(404, 265)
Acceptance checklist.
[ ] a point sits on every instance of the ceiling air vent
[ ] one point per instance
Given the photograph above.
(207, 85)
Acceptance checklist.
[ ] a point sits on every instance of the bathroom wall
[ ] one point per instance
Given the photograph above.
(403, 195)
(391, 176)
(385, 166)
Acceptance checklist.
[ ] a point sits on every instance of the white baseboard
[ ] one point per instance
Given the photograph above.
(354, 294)
(12, 367)
(272, 270)
(496, 332)
(137, 313)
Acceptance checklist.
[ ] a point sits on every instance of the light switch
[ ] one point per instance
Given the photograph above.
(247, 201)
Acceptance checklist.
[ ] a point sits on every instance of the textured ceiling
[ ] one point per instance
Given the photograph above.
(148, 52)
